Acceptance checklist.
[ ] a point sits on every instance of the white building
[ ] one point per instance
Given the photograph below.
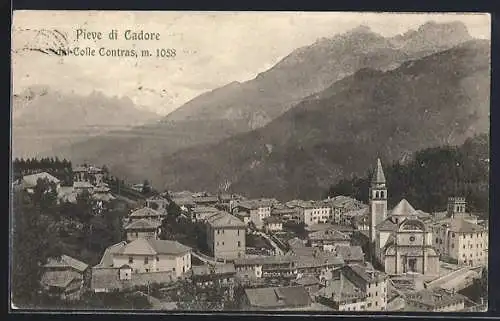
(312, 212)
(150, 255)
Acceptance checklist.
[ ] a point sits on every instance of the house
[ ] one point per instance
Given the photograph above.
(350, 253)
(205, 200)
(328, 239)
(272, 224)
(81, 186)
(256, 210)
(265, 266)
(151, 255)
(318, 264)
(310, 283)
(459, 236)
(372, 282)
(276, 298)
(87, 173)
(342, 294)
(313, 212)
(147, 213)
(342, 204)
(158, 203)
(142, 228)
(285, 213)
(201, 213)
(435, 300)
(29, 181)
(209, 275)
(65, 277)
(225, 236)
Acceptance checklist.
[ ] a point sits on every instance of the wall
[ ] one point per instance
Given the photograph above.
(155, 263)
(225, 243)
(376, 299)
(472, 247)
(141, 234)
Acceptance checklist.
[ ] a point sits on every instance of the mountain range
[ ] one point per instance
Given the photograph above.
(44, 119)
(321, 113)
(441, 99)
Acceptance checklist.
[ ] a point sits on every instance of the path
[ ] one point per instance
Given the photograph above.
(277, 250)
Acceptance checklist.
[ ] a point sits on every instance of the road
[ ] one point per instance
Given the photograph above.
(277, 250)
(205, 259)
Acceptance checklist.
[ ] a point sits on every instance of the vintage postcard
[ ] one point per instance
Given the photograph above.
(250, 161)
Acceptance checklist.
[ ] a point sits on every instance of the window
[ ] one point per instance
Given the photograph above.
(412, 238)
(157, 259)
(238, 232)
(136, 234)
(452, 234)
(173, 269)
(239, 243)
(452, 245)
(465, 235)
(437, 240)
(147, 270)
(222, 243)
(376, 303)
(130, 259)
(222, 231)
(146, 260)
(464, 246)
(369, 304)
(217, 243)
(376, 293)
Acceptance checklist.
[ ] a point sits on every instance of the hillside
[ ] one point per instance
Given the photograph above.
(241, 107)
(43, 119)
(438, 100)
(432, 175)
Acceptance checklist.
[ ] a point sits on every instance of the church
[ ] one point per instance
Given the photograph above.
(400, 239)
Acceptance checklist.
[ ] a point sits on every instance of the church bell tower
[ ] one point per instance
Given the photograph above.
(378, 199)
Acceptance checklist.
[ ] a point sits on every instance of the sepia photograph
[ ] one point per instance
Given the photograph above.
(203, 161)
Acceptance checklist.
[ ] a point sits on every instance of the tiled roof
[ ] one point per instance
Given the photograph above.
(329, 234)
(145, 212)
(66, 261)
(317, 261)
(350, 252)
(143, 224)
(389, 224)
(345, 202)
(256, 203)
(378, 176)
(60, 279)
(31, 180)
(263, 260)
(459, 225)
(277, 297)
(107, 257)
(368, 275)
(341, 288)
(206, 199)
(152, 247)
(224, 219)
(435, 298)
(404, 209)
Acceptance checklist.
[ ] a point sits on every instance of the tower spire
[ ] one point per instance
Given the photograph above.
(378, 175)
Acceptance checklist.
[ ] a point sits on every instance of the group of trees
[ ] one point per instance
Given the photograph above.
(44, 228)
(62, 169)
(431, 176)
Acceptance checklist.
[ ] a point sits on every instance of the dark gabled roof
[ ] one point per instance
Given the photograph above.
(367, 274)
(217, 269)
(459, 225)
(224, 219)
(435, 298)
(329, 234)
(60, 279)
(146, 212)
(278, 297)
(404, 208)
(152, 247)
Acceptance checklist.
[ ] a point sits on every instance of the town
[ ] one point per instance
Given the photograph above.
(199, 250)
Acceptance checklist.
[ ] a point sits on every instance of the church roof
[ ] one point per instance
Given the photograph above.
(378, 175)
(459, 225)
(404, 209)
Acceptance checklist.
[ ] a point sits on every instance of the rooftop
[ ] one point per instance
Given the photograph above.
(146, 212)
(367, 274)
(143, 224)
(107, 257)
(378, 176)
(66, 261)
(31, 180)
(108, 278)
(60, 279)
(256, 203)
(404, 208)
(278, 297)
(350, 252)
(82, 185)
(435, 298)
(153, 247)
(224, 219)
(460, 225)
(329, 234)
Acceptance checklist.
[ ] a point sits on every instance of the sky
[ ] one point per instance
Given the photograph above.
(212, 48)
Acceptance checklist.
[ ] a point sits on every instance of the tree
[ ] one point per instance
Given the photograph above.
(34, 241)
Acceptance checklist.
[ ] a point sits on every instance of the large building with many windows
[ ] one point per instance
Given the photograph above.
(225, 236)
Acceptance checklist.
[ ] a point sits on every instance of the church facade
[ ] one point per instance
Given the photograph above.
(401, 240)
